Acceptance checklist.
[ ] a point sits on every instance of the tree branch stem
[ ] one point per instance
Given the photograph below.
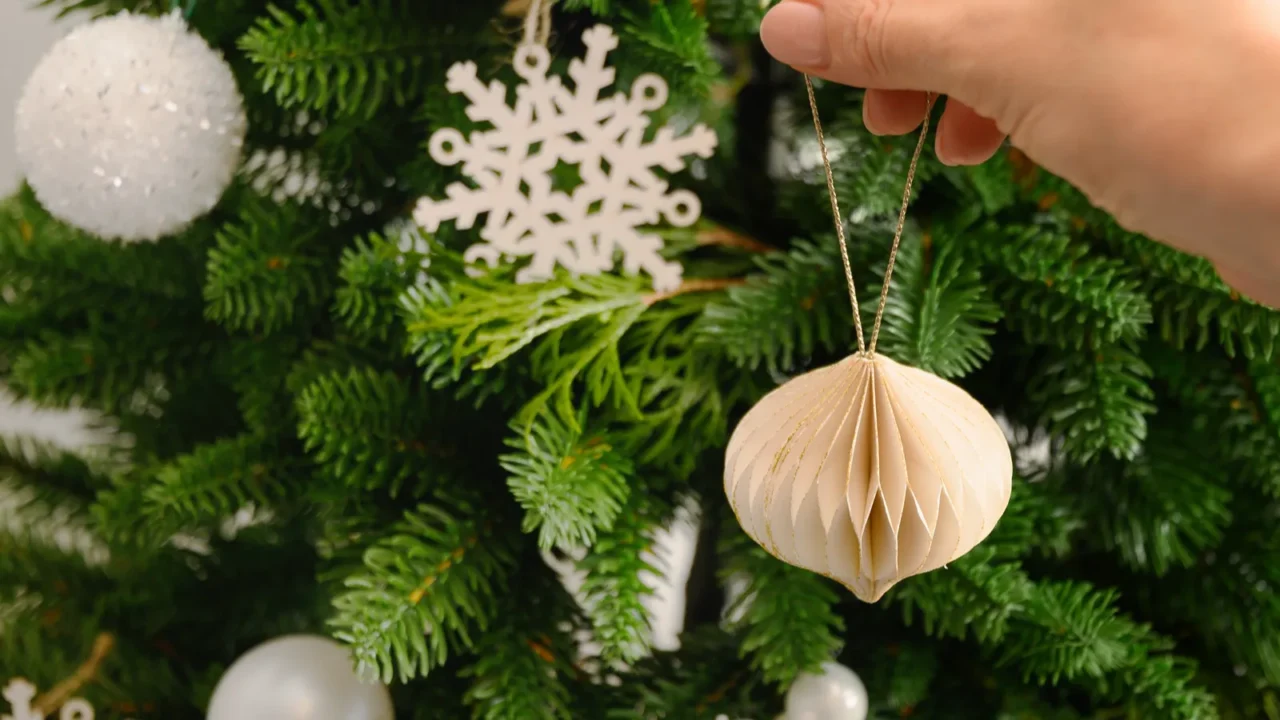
(59, 694)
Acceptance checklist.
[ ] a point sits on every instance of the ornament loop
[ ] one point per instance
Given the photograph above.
(446, 146)
(649, 92)
(683, 208)
(532, 61)
(76, 709)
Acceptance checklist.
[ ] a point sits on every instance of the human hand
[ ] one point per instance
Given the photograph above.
(1163, 112)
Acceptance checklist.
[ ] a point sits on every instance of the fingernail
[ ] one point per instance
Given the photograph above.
(871, 119)
(795, 33)
(940, 149)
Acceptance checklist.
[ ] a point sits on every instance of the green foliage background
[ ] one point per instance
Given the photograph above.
(402, 443)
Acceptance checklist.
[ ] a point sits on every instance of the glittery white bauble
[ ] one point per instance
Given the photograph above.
(130, 127)
(299, 677)
(835, 694)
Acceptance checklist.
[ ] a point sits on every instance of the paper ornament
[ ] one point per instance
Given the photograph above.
(867, 472)
(130, 127)
(837, 693)
(510, 168)
(21, 694)
(300, 677)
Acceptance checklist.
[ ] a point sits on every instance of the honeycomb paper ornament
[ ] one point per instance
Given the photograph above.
(607, 138)
(868, 471)
(130, 127)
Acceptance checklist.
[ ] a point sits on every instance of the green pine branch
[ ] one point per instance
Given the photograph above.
(115, 365)
(1067, 630)
(47, 641)
(795, 306)
(375, 273)
(571, 482)
(914, 674)
(616, 586)
(735, 18)
(1192, 304)
(595, 7)
(978, 602)
(677, 384)
(257, 369)
(1095, 400)
(669, 39)
(523, 667)
(47, 542)
(703, 679)
(993, 184)
(1224, 406)
(268, 269)
(79, 473)
(1266, 385)
(62, 259)
(1069, 298)
(869, 171)
(369, 429)
(1055, 632)
(1229, 596)
(205, 487)
(576, 324)
(938, 314)
(1042, 519)
(1160, 510)
(425, 591)
(350, 57)
(788, 617)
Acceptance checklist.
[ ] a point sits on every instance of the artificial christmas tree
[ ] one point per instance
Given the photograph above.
(327, 421)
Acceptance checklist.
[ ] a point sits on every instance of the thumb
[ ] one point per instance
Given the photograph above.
(887, 44)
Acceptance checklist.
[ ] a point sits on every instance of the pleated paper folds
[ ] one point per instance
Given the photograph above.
(868, 472)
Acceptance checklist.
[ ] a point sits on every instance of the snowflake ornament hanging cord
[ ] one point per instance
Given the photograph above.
(511, 168)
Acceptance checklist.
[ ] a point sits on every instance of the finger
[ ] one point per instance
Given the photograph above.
(965, 137)
(907, 44)
(1258, 287)
(893, 112)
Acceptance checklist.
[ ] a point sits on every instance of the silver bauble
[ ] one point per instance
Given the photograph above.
(298, 677)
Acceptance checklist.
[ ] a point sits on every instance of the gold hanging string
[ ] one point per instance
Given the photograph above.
(839, 220)
(537, 23)
(835, 212)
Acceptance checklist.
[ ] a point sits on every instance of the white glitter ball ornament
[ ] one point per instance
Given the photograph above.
(298, 677)
(130, 127)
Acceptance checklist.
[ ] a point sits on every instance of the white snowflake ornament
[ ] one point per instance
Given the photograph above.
(511, 164)
(21, 694)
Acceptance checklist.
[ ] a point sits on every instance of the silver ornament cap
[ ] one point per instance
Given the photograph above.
(837, 693)
(130, 127)
(299, 677)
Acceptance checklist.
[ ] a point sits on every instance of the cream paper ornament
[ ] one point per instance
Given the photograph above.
(868, 471)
